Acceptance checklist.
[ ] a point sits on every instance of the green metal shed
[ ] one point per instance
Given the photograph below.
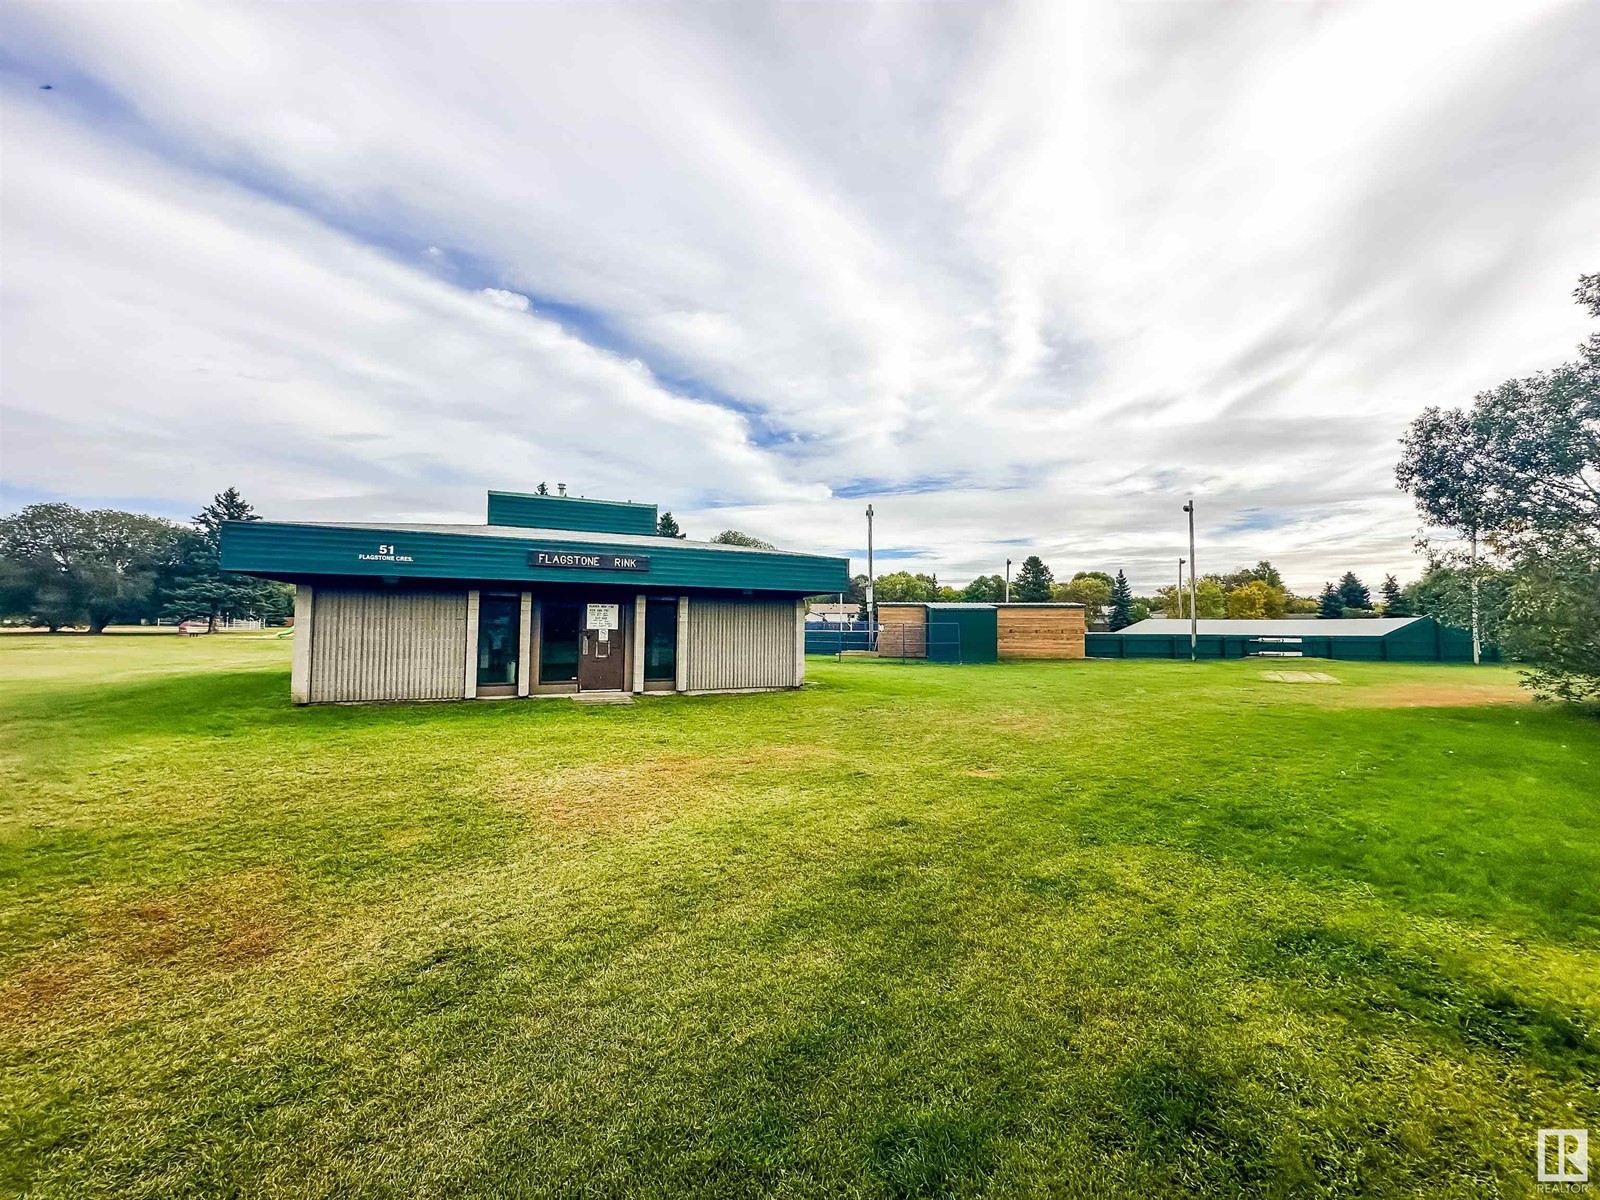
(976, 628)
(1378, 639)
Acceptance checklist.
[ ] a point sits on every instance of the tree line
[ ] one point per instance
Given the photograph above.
(65, 567)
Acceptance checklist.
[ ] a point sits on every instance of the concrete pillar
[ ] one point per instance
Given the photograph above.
(799, 642)
(469, 689)
(525, 645)
(300, 669)
(681, 672)
(638, 643)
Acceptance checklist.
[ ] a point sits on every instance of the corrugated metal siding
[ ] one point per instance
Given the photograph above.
(387, 645)
(741, 644)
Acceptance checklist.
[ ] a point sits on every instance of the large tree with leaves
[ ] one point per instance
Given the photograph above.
(61, 565)
(985, 589)
(1519, 471)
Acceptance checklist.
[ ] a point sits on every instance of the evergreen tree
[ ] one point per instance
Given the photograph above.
(1394, 600)
(1329, 604)
(1121, 603)
(667, 527)
(199, 587)
(1353, 593)
(542, 490)
(1033, 581)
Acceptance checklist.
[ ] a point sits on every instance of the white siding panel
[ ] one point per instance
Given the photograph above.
(388, 645)
(741, 644)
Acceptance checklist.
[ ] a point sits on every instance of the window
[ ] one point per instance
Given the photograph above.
(558, 641)
(499, 632)
(660, 638)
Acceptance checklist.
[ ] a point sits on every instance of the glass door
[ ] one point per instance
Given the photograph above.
(499, 635)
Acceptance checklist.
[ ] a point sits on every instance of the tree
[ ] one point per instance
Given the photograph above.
(985, 589)
(65, 566)
(1394, 600)
(542, 489)
(904, 586)
(1553, 622)
(732, 537)
(1032, 585)
(1353, 593)
(1121, 603)
(1521, 470)
(1445, 593)
(1255, 601)
(1441, 466)
(1209, 599)
(199, 587)
(1092, 589)
(667, 527)
(1263, 570)
(1329, 605)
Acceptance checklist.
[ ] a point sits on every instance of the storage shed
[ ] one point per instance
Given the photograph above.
(1379, 639)
(975, 632)
(939, 632)
(557, 595)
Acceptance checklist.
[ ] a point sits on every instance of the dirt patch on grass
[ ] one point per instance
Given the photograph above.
(227, 923)
(236, 918)
(615, 796)
(1443, 694)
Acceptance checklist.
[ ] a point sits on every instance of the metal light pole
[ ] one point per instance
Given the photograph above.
(872, 605)
(1194, 613)
(1008, 581)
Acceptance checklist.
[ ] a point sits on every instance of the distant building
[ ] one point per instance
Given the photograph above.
(1397, 639)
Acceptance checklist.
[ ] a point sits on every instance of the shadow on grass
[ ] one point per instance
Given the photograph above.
(1367, 981)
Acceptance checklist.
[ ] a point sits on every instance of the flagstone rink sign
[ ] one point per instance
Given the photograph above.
(588, 562)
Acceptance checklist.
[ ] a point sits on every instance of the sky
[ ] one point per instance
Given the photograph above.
(1023, 277)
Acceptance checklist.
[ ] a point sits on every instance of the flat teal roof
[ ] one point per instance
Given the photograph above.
(294, 550)
(533, 511)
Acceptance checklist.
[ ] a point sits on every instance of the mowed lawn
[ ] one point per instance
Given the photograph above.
(1082, 929)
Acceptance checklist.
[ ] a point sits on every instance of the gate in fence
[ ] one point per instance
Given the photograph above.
(936, 641)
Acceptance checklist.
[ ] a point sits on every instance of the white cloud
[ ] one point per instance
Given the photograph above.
(1076, 261)
(515, 301)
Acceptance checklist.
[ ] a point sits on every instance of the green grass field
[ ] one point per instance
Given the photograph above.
(1083, 929)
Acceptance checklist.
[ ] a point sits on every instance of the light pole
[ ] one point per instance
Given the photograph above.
(1194, 613)
(872, 606)
(1008, 581)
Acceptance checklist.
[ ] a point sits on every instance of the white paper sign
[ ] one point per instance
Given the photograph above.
(603, 616)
